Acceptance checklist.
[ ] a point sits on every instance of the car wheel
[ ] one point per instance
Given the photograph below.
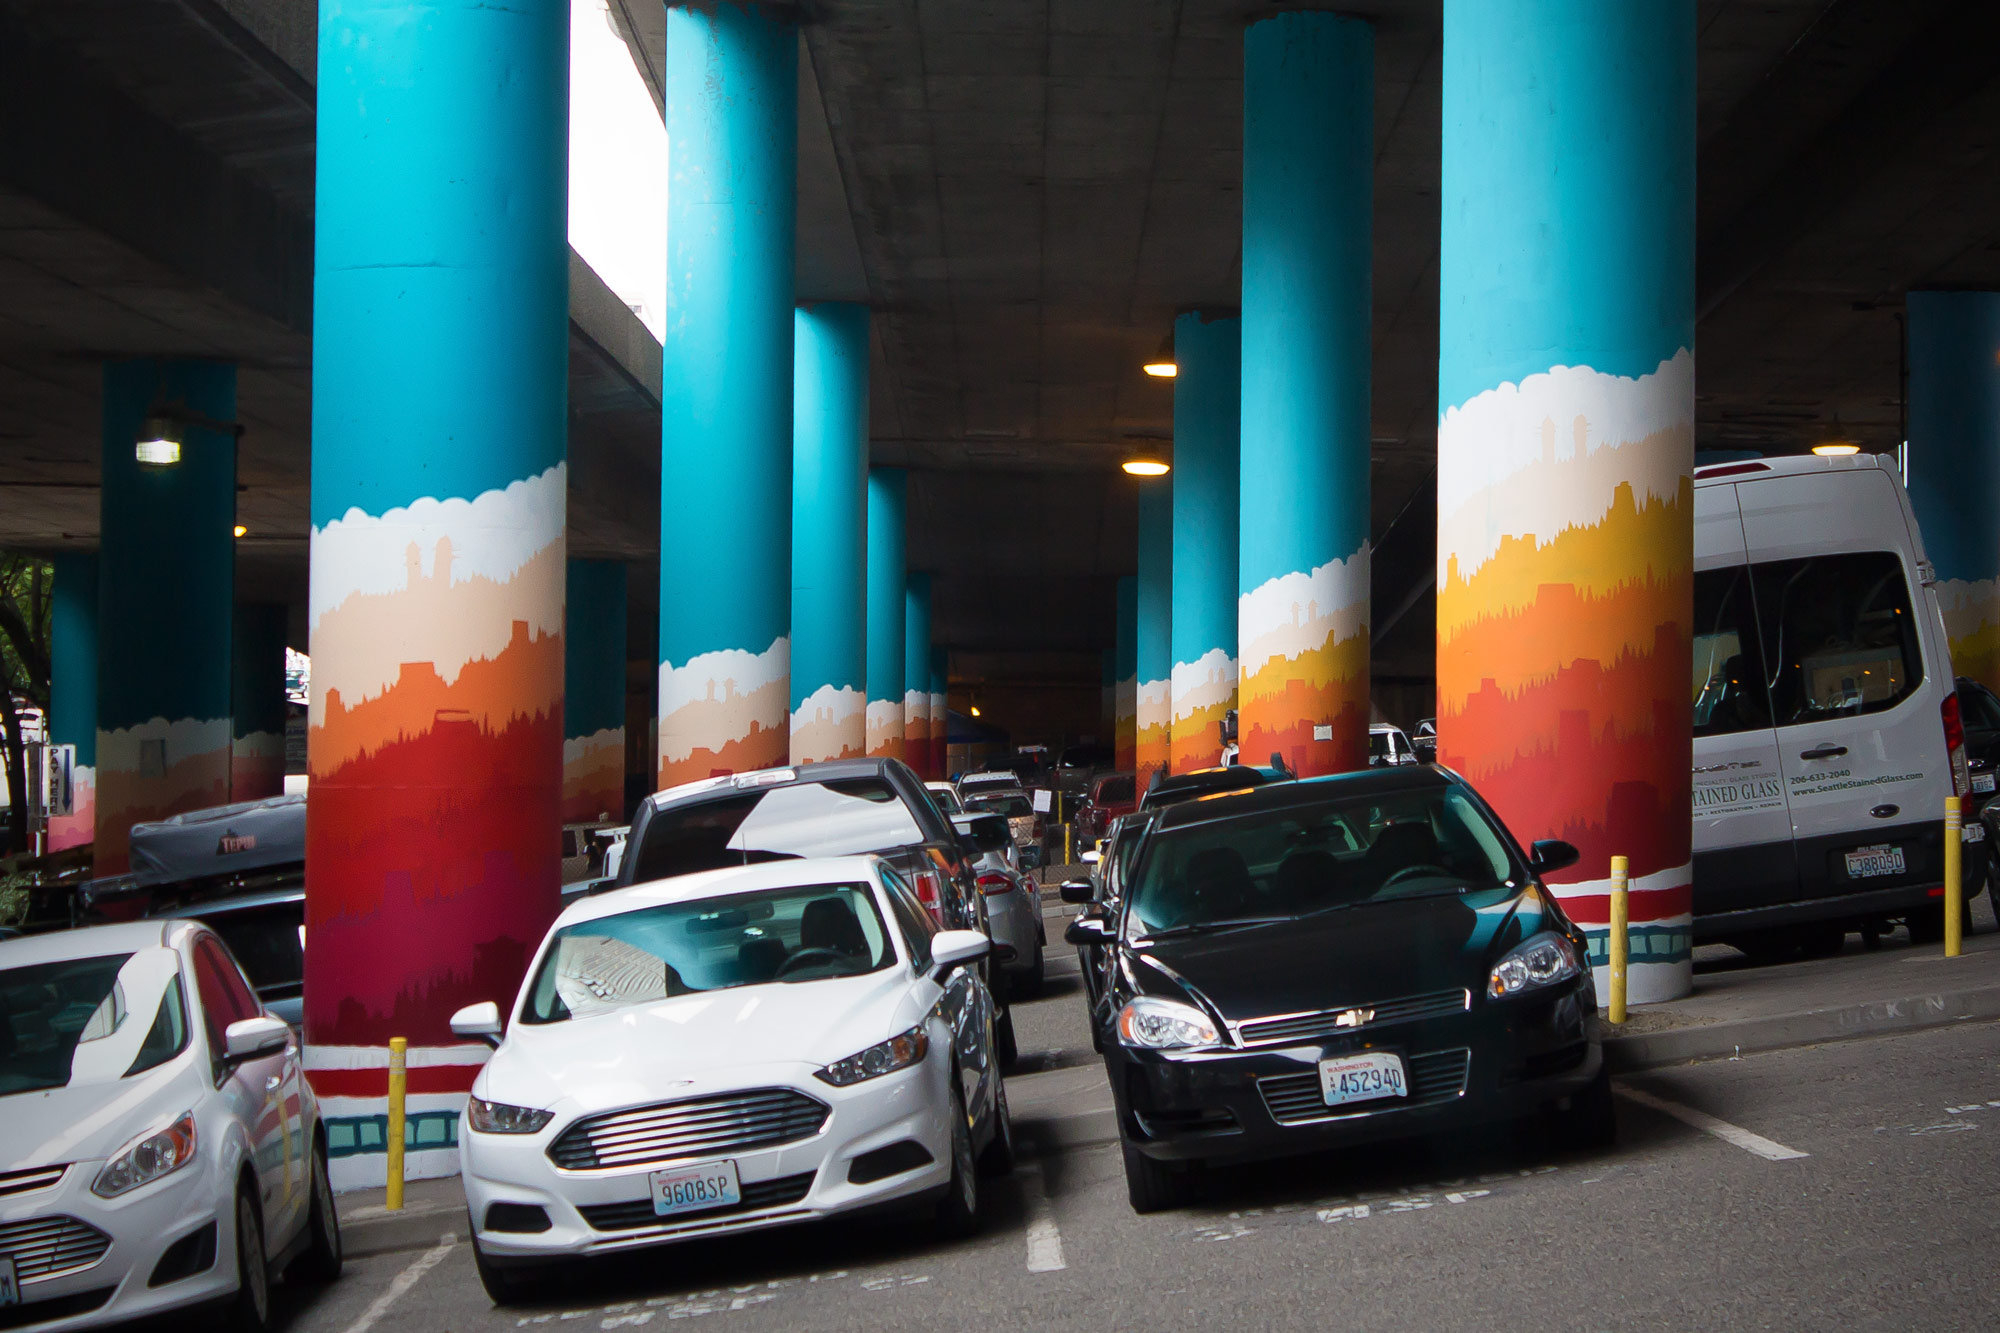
(320, 1263)
(505, 1285)
(1150, 1185)
(958, 1211)
(1927, 923)
(1005, 1049)
(998, 1157)
(1591, 1120)
(249, 1310)
(1031, 981)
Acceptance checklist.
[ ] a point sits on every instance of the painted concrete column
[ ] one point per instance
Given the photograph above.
(829, 531)
(73, 690)
(257, 702)
(1153, 618)
(593, 772)
(166, 572)
(726, 396)
(888, 488)
(1302, 617)
(1107, 708)
(1566, 443)
(1955, 466)
(917, 673)
(1208, 346)
(940, 674)
(440, 388)
(1126, 672)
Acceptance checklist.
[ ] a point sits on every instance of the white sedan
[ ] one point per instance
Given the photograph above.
(725, 1051)
(161, 1149)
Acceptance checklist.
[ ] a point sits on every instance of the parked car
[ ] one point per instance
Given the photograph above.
(243, 847)
(1826, 731)
(1013, 902)
(1079, 765)
(1099, 896)
(629, 1102)
(988, 779)
(946, 797)
(1388, 746)
(1334, 961)
(163, 1150)
(266, 932)
(1018, 809)
(1425, 741)
(1110, 796)
(1173, 788)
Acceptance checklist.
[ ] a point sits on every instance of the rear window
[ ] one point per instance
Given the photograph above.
(1114, 791)
(837, 818)
(1011, 806)
(268, 941)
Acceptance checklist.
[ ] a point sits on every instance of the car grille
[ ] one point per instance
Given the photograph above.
(697, 1127)
(1292, 1027)
(756, 1194)
(1438, 1076)
(46, 1246)
(21, 1182)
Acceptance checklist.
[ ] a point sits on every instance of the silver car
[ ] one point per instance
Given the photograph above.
(1013, 901)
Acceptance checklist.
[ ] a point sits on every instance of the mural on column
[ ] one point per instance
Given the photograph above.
(593, 782)
(887, 615)
(257, 688)
(939, 674)
(166, 572)
(917, 720)
(73, 691)
(1302, 617)
(1202, 686)
(726, 392)
(1955, 466)
(829, 531)
(1107, 704)
(1125, 704)
(1565, 502)
(1152, 710)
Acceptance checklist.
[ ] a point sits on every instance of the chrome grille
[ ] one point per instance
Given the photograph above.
(779, 1193)
(697, 1127)
(1293, 1027)
(46, 1246)
(21, 1182)
(1437, 1076)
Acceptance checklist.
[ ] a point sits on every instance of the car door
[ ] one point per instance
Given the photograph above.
(263, 1092)
(965, 1004)
(1743, 852)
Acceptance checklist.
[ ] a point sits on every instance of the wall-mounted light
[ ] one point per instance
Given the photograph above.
(159, 442)
(1163, 366)
(975, 710)
(241, 530)
(1836, 450)
(1147, 467)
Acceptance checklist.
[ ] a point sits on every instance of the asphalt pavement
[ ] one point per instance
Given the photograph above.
(1849, 1185)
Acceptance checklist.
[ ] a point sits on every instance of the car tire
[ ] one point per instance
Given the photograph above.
(506, 1285)
(1005, 1048)
(1592, 1118)
(998, 1157)
(249, 1310)
(320, 1264)
(1152, 1186)
(957, 1214)
(1031, 980)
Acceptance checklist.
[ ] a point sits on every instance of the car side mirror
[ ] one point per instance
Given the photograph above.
(956, 948)
(1086, 931)
(1552, 854)
(248, 1038)
(1077, 891)
(478, 1022)
(1091, 857)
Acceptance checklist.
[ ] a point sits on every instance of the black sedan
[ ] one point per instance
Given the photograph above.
(1318, 963)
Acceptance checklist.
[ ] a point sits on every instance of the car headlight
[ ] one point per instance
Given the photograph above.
(899, 1052)
(160, 1153)
(1542, 961)
(499, 1118)
(1163, 1025)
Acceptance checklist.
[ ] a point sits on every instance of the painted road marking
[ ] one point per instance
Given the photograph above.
(1045, 1253)
(403, 1281)
(1736, 1135)
(716, 1300)
(1371, 1203)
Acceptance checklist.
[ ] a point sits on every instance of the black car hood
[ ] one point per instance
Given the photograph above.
(1363, 954)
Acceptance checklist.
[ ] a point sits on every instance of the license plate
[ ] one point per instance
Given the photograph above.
(1868, 862)
(1974, 832)
(1361, 1078)
(695, 1189)
(10, 1286)
(1982, 782)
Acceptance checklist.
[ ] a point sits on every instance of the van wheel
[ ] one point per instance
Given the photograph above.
(1821, 939)
(1926, 923)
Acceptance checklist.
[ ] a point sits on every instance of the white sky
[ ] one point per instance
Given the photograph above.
(617, 166)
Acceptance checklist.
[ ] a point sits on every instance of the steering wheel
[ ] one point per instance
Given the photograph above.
(1407, 871)
(808, 957)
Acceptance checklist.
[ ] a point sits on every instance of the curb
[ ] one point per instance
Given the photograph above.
(1712, 1041)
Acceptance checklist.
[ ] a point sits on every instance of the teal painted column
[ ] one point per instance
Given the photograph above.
(917, 673)
(73, 690)
(1565, 535)
(1125, 668)
(1302, 613)
(257, 702)
(726, 390)
(940, 676)
(1208, 346)
(1955, 466)
(829, 532)
(439, 491)
(166, 574)
(594, 617)
(887, 489)
(1153, 619)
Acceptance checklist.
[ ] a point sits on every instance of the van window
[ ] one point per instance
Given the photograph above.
(1729, 677)
(1838, 635)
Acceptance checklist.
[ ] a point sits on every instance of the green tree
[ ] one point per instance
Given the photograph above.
(26, 585)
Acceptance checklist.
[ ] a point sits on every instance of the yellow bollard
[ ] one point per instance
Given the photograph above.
(1069, 844)
(1954, 856)
(398, 1086)
(1621, 872)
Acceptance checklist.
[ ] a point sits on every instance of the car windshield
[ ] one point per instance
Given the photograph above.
(947, 800)
(1378, 744)
(801, 933)
(1012, 805)
(89, 1020)
(1114, 791)
(269, 941)
(836, 818)
(1284, 864)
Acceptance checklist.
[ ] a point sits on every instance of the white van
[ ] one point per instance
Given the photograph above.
(1826, 734)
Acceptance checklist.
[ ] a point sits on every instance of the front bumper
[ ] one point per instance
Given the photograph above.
(1495, 1062)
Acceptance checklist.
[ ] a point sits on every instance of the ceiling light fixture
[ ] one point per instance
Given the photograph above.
(1147, 467)
(241, 530)
(1163, 366)
(159, 442)
(975, 710)
(1836, 450)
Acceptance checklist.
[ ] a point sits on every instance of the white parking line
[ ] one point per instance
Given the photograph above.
(1708, 1124)
(1044, 1237)
(404, 1280)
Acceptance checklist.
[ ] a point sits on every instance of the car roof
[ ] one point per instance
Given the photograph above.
(201, 909)
(728, 880)
(1304, 791)
(85, 942)
(1789, 465)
